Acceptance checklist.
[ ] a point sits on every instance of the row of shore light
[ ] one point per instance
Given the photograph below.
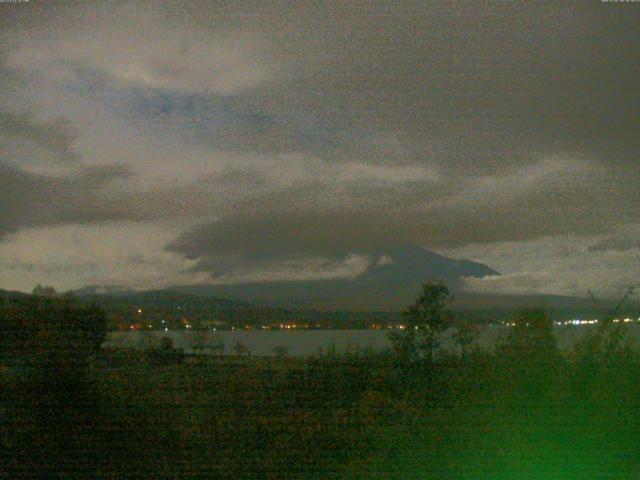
(403, 327)
(595, 321)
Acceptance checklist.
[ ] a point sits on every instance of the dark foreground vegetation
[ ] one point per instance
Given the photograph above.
(524, 411)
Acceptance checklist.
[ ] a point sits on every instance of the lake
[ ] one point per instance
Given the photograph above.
(301, 343)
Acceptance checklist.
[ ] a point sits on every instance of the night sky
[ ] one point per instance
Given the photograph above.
(147, 144)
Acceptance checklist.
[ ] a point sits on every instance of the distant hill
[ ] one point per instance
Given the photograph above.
(201, 310)
(473, 301)
(343, 295)
(96, 290)
(390, 284)
(148, 307)
(160, 298)
(11, 294)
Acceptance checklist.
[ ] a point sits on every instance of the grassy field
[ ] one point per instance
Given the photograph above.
(343, 417)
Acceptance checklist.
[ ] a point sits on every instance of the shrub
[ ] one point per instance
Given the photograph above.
(422, 321)
(53, 334)
(241, 349)
(280, 351)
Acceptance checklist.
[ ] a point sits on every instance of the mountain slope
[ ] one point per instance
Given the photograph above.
(390, 283)
(417, 265)
(8, 294)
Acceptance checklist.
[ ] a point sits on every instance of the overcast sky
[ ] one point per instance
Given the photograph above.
(158, 143)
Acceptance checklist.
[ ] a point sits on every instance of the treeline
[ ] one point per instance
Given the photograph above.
(531, 336)
(49, 333)
(523, 411)
(205, 313)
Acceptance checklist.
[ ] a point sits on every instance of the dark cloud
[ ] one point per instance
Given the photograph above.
(316, 130)
(29, 200)
(316, 220)
(485, 82)
(623, 242)
(331, 235)
(55, 135)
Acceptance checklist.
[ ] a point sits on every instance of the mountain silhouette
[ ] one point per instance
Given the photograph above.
(391, 283)
(411, 265)
(393, 280)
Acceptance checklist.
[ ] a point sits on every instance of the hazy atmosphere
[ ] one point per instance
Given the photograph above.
(309, 240)
(148, 144)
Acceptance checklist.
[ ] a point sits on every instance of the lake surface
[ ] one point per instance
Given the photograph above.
(301, 343)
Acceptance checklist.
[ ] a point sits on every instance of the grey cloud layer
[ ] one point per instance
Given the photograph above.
(316, 130)
(54, 135)
(28, 200)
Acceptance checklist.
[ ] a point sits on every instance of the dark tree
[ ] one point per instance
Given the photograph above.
(199, 340)
(466, 332)
(241, 349)
(41, 291)
(38, 324)
(55, 336)
(422, 321)
(531, 338)
(166, 344)
(609, 341)
(280, 351)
